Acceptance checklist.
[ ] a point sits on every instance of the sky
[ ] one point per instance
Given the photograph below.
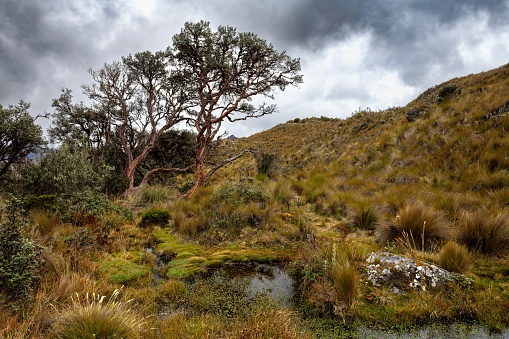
(355, 54)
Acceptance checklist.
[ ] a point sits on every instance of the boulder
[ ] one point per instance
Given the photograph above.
(401, 273)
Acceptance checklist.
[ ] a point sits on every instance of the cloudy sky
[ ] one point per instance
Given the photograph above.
(354, 53)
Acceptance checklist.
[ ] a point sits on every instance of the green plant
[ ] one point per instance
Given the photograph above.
(420, 226)
(155, 216)
(446, 91)
(485, 231)
(455, 258)
(20, 258)
(93, 317)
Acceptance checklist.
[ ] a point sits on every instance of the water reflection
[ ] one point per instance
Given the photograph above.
(259, 280)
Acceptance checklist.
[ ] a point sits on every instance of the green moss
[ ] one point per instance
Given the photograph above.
(193, 259)
(124, 270)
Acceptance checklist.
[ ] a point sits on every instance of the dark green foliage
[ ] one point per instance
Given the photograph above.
(266, 163)
(66, 171)
(155, 216)
(45, 202)
(20, 258)
(446, 91)
(176, 149)
(19, 135)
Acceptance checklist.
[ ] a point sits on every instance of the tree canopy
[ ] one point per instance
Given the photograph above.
(19, 135)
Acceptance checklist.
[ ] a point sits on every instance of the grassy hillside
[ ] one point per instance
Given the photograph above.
(429, 181)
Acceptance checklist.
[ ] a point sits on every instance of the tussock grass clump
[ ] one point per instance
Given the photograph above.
(485, 231)
(43, 222)
(364, 217)
(93, 317)
(283, 193)
(418, 226)
(151, 194)
(455, 258)
(345, 278)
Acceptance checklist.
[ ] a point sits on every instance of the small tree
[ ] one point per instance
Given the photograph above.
(19, 258)
(19, 135)
(225, 70)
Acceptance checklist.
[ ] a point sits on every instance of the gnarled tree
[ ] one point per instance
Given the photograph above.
(225, 70)
(141, 99)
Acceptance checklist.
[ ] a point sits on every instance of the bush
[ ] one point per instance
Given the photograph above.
(446, 91)
(266, 163)
(155, 216)
(419, 226)
(455, 258)
(486, 232)
(95, 318)
(66, 171)
(20, 258)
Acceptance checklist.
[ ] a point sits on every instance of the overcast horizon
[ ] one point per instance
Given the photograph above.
(354, 54)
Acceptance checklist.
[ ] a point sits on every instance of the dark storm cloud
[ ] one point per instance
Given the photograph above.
(408, 36)
(402, 45)
(47, 45)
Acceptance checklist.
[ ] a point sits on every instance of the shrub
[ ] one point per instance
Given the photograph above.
(364, 217)
(155, 216)
(95, 318)
(19, 258)
(455, 258)
(486, 232)
(266, 163)
(419, 226)
(446, 91)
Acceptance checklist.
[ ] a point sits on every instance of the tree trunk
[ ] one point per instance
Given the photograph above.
(199, 180)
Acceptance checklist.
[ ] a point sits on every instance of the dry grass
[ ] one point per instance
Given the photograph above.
(418, 225)
(92, 316)
(455, 258)
(485, 231)
(345, 280)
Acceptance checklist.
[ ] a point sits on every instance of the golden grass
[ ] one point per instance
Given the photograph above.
(455, 258)
(94, 316)
(419, 226)
(485, 231)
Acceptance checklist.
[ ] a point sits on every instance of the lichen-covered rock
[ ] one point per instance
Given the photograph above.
(400, 273)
